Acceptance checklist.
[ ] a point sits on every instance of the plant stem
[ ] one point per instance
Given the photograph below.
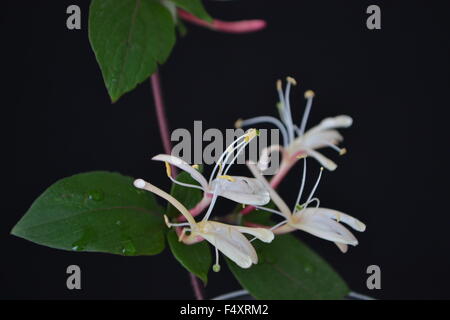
(161, 114)
(196, 287)
(165, 138)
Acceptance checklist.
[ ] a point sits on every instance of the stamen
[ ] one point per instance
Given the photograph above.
(252, 133)
(291, 80)
(299, 197)
(278, 225)
(268, 119)
(185, 184)
(195, 166)
(229, 154)
(309, 95)
(288, 114)
(168, 169)
(316, 200)
(315, 186)
(229, 178)
(170, 224)
(223, 155)
(282, 107)
(211, 205)
(239, 123)
(341, 151)
(271, 211)
(235, 157)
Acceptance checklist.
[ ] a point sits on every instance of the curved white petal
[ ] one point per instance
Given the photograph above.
(279, 202)
(321, 225)
(342, 246)
(324, 161)
(266, 155)
(183, 165)
(228, 240)
(340, 217)
(244, 190)
(262, 234)
(342, 121)
(320, 139)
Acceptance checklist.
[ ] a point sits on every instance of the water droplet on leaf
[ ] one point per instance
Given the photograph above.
(308, 268)
(128, 248)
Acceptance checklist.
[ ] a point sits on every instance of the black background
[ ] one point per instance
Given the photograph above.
(392, 81)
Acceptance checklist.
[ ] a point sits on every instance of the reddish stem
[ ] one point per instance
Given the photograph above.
(165, 137)
(195, 282)
(161, 115)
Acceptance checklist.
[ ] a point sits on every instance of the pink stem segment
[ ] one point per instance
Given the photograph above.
(165, 137)
(244, 26)
(161, 115)
(195, 282)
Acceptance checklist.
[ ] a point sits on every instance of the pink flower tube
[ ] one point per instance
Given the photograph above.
(244, 26)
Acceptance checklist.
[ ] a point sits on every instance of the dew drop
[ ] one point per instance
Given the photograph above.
(86, 238)
(128, 248)
(308, 268)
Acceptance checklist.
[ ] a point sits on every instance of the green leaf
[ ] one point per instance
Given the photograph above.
(129, 38)
(288, 269)
(195, 7)
(260, 216)
(189, 197)
(95, 211)
(196, 258)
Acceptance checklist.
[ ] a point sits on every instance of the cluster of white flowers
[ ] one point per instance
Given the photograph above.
(256, 192)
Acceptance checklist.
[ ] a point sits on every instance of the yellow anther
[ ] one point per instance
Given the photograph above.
(343, 151)
(166, 220)
(321, 168)
(279, 85)
(309, 94)
(168, 169)
(238, 123)
(338, 217)
(243, 206)
(195, 166)
(301, 156)
(251, 134)
(229, 178)
(291, 80)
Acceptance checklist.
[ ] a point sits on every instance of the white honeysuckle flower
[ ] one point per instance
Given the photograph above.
(244, 190)
(227, 239)
(321, 222)
(297, 142)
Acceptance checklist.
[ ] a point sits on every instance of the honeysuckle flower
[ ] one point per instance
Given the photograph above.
(227, 239)
(297, 142)
(243, 26)
(321, 222)
(244, 190)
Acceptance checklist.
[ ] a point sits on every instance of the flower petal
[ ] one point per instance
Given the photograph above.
(320, 139)
(244, 190)
(324, 161)
(183, 165)
(228, 240)
(342, 121)
(265, 235)
(341, 217)
(317, 223)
